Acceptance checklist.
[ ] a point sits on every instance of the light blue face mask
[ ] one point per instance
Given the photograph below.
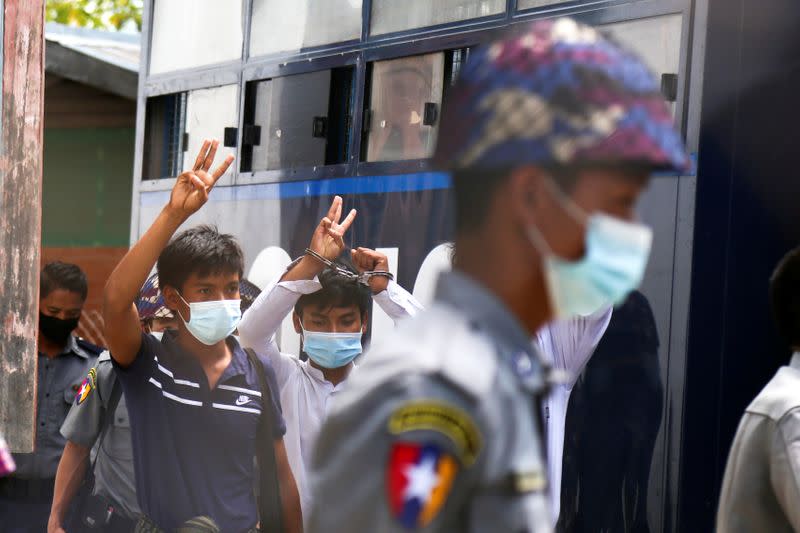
(211, 322)
(331, 350)
(616, 257)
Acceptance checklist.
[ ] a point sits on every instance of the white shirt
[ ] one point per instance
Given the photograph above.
(761, 487)
(566, 345)
(305, 393)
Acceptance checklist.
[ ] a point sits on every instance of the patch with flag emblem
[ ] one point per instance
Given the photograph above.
(418, 481)
(87, 386)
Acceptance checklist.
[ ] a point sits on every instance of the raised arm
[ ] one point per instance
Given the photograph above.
(260, 323)
(189, 194)
(397, 302)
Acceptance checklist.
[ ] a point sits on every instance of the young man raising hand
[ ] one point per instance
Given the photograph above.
(194, 398)
(331, 313)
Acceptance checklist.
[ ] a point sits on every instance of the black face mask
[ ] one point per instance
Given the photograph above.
(56, 329)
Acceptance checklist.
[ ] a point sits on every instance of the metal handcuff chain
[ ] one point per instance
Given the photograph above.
(362, 278)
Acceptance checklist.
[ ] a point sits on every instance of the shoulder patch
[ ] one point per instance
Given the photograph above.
(88, 385)
(435, 415)
(418, 481)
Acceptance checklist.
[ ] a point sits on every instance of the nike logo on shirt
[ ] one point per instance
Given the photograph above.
(241, 400)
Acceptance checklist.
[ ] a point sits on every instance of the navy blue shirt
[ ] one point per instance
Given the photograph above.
(193, 447)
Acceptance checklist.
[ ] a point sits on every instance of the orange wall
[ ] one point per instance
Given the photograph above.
(97, 262)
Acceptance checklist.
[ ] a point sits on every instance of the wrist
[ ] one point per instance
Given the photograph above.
(378, 284)
(173, 215)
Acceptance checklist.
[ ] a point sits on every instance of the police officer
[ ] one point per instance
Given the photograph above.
(64, 360)
(551, 134)
(99, 417)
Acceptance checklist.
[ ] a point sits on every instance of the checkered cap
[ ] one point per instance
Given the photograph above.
(248, 292)
(557, 93)
(150, 303)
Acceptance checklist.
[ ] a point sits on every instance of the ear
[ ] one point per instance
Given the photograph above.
(175, 303)
(171, 298)
(527, 196)
(364, 323)
(297, 323)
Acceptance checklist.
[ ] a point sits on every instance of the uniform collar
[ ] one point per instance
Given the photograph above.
(72, 347)
(482, 308)
(795, 363)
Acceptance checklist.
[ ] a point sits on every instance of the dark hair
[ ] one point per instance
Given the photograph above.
(58, 275)
(338, 291)
(201, 250)
(784, 294)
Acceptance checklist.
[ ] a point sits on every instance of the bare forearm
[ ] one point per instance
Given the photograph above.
(122, 288)
(126, 280)
(70, 473)
(290, 497)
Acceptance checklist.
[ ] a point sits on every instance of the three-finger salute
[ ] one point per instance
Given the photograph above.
(192, 187)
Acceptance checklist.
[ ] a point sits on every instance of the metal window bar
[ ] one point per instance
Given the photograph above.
(175, 126)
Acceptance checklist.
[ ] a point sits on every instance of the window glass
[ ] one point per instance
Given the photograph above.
(302, 120)
(208, 113)
(401, 92)
(390, 15)
(526, 4)
(165, 123)
(193, 33)
(303, 24)
(657, 40)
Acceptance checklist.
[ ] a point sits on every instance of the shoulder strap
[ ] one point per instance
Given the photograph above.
(269, 508)
(113, 402)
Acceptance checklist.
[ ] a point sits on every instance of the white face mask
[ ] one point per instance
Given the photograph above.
(211, 322)
(616, 257)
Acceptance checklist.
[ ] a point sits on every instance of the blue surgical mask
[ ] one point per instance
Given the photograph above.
(211, 322)
(616, 257)
(331, 350)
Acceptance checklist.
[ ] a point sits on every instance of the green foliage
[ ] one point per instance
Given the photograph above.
(97, 14)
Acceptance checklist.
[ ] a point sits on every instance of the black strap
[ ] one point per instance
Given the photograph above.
(269, 508)
(111, 408)
(82, 498)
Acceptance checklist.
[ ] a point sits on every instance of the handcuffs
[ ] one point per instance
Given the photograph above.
(362, 278)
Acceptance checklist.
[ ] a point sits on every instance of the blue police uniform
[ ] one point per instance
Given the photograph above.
(25, 498)
(194, 447)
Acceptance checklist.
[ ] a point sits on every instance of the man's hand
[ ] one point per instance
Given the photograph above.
(53, 526)
(192, 187)
(366, 259)
(328, 238)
